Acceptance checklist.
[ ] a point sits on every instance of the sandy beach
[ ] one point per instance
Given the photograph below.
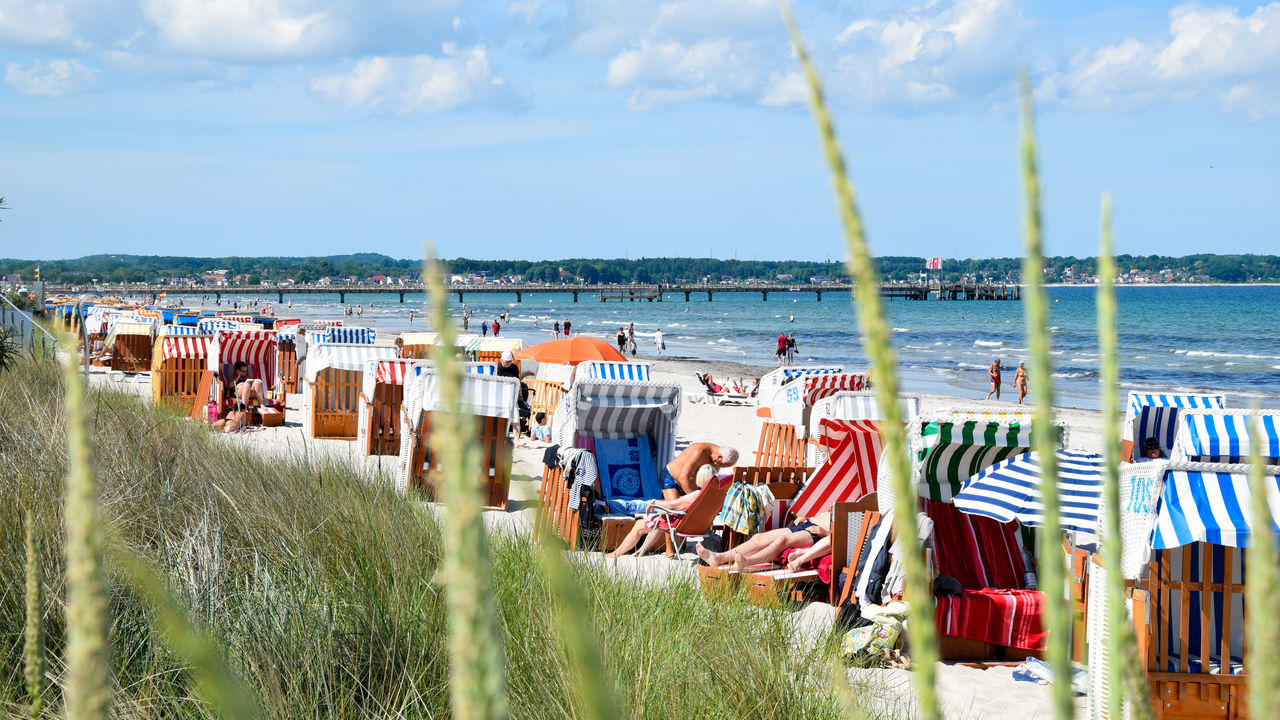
(966, 691)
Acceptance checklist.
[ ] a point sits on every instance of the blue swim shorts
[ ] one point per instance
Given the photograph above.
(666, 480)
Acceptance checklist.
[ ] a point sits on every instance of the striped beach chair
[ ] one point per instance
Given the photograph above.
(491, 399)
(610, 410)
(851, 405)
(772, 382)
(177, 364)
(418, 345)
(333, 380)
(1156, 415)
(181, 330)
(347, 335)
(256, 348)
(601, 370)
(1223, 435)
(947, 449)
(381, 403)
(208, 326)
(130, 341)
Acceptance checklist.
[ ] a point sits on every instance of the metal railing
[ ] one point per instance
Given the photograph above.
(37, 340)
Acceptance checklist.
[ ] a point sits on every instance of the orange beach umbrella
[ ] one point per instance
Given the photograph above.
(571, 351)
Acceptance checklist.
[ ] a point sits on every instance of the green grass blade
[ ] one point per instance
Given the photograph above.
(877, 342)
(87, 693)
(216, 684)
(33, 635)
(478, 680)
(1262, 592)
(1052, 563)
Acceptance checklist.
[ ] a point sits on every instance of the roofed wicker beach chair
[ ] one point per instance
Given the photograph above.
(257, 349)
(332, 382)
(490, 399)
(178, 362)
(1185, 530)
(1156, 415)
(418, 345)
(130, 341)
(997, 616)
(644, 414)
(381, 403)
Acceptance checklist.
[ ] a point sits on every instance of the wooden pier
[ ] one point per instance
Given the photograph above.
(651, 293)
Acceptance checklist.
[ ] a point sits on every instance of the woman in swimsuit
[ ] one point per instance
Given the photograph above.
(768, 546)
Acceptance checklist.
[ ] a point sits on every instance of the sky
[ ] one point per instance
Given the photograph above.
(544, 129)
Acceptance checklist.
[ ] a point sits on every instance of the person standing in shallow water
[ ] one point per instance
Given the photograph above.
(1020, 381)
(993, 372)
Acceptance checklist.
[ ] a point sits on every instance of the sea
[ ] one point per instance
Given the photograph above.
(1221, 339)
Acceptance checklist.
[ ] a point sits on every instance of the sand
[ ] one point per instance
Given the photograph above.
(966, 692)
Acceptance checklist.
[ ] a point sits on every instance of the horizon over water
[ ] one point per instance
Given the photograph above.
(1172, 338)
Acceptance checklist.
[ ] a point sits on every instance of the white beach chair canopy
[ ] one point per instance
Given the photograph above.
(1223, 435)
(1207, 504)
(775, 379)
(420, 338)
(481, 395)
(348, 335)
(616, 409)
(344, 356)
(852, 405)
(129, 328)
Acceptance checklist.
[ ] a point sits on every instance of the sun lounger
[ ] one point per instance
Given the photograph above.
(719, 398)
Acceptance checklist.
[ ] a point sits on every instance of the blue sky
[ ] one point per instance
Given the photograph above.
(558, 128)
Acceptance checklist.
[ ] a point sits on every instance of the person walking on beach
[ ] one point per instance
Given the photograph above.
(791, 349)
(496, 328)
(484, 329)
(782, 348)
(993, 372)
(1020, 381)
(360, 310)
(566, 327)
(622, 341)
(556, 329)
(657, 341)
(466, 320)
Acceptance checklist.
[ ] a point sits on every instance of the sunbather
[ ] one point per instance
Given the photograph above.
(680, 475)
(655, 524)
(768, 546)
(247, 391)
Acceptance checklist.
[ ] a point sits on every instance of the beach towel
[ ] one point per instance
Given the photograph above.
(746, 508)
(626, 470)
(976, 550)
(1001, 617)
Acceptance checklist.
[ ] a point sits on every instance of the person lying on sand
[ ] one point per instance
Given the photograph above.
(768, 546)
(654, 525)
(679, 477)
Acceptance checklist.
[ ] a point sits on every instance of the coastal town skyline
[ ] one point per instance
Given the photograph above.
(512, 129)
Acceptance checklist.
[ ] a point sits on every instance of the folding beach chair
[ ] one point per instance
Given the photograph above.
(697, 521)
(720, 398)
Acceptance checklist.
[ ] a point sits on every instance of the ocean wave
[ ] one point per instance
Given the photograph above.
(1235, 356)
(1084, 359)
(1076, 374)
(971, 365)
(902, 329)
(988, 343)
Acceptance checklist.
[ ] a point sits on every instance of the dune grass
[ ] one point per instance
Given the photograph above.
(324, 594)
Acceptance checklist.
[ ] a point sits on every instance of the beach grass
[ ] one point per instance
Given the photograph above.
(322, 593)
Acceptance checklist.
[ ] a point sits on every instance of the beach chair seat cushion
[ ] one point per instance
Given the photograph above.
(985, 557)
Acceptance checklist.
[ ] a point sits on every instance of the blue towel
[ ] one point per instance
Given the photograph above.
(626, 469)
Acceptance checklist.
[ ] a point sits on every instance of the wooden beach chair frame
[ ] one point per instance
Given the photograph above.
(544, 396)
(287, 364)
(492, 433)
(382, 425)
(177, 381)
(334, 403)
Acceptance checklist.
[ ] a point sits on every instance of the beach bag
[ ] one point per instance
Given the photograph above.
(870, 639)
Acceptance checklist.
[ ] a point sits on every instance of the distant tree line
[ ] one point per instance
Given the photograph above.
(253, 270)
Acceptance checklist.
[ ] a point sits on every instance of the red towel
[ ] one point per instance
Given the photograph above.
(823, 566)
(1001, 617)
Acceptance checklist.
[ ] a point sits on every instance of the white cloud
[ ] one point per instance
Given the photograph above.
(1217, 49)
(247, 30)
(414, 84)
(788, 89)
(50, 78)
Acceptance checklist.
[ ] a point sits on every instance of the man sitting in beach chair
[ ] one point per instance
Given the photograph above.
(768, 546)
(679, 477)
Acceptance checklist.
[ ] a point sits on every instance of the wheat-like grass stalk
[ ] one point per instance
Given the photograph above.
(1045, 440)
(477, 686)
(1125, 671)
(592, 684)
(877, 342)
(33, 635)
(1261, 591)
(87, 693)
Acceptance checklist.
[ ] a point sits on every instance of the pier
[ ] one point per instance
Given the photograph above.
(605, 293)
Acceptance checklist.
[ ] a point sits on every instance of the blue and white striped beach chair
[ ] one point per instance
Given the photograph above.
(1223, 435)
(1156, 415)
(348, 335)
(601, 370)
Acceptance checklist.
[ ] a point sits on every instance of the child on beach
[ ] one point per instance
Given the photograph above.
(541, 431)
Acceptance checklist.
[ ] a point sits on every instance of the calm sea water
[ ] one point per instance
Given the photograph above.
(1186, 338)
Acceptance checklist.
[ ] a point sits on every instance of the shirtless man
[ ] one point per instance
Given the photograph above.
(1020, 381)
(768, 546)
(993, 372)
(679, 477)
